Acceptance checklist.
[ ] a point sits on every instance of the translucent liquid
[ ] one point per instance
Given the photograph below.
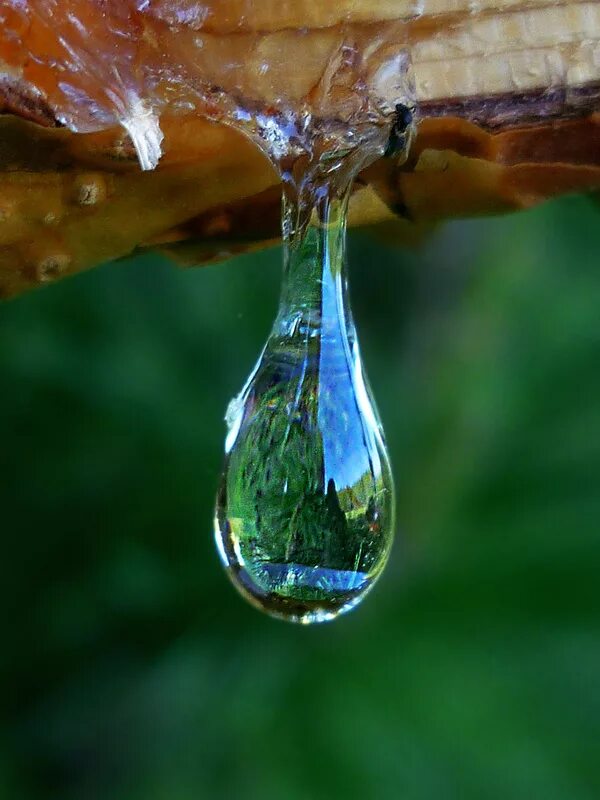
(305, 510)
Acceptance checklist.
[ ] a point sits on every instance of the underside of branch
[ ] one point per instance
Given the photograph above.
(507, 95)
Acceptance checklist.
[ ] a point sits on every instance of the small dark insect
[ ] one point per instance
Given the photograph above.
(402, 122)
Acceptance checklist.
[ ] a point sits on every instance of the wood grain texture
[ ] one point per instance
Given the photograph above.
(508, 97)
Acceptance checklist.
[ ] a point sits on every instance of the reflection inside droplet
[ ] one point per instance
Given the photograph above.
(305, 510)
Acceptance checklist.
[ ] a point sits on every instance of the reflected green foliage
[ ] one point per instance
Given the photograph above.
(130, 668)
(305, 510)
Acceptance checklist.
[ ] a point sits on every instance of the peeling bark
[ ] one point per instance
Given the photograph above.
(508, 99)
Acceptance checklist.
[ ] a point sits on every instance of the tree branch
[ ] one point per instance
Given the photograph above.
(508, 98)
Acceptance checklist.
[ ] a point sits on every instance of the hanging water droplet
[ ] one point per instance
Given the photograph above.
(305, 510)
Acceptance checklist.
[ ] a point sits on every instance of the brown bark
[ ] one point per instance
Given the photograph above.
(508, 99)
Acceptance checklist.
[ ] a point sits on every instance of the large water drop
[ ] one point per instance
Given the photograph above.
(305, 510)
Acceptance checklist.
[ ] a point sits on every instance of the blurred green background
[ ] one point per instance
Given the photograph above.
(130, 668)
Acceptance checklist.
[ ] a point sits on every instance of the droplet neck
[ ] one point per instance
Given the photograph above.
(317, 185)
(314, 260)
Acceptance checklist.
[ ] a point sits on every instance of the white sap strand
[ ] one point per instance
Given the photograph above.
(142, 124)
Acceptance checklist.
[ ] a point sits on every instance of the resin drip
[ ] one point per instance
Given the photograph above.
(305, 510)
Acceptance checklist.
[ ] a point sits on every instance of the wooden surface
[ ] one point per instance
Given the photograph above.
(507, 95)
